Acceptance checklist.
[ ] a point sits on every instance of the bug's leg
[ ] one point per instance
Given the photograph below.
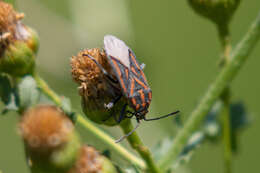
(128, 134)
(142, 66)
(102, 69)
(113, 102)
(122, 114)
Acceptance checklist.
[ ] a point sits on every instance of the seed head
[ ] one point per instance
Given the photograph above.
(90, 161)
(86, 73)
(44, 128)
(18, 43)
(9, 20)
(95, 89)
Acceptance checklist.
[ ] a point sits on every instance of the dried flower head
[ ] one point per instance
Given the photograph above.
(87, 74)
(95, 88)
(85, 70)
(8, 19)
(11, 27)
(45, 128)
(90, 161)
(18, 43)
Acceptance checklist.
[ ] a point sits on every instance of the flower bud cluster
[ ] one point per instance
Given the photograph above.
(52, 144)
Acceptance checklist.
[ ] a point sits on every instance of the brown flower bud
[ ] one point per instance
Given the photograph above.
(44, 128)
(51, 142)
(95, 88)
(9, 20)
(90, 161)
(18, 43)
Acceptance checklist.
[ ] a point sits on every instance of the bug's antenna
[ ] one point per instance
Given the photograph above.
(170, 114)
(128, 134)
(101, 68)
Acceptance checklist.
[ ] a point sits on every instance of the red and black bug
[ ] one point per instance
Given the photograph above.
(129, 74)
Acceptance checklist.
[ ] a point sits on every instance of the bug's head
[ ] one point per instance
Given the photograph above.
(141, 109)
(141, 115)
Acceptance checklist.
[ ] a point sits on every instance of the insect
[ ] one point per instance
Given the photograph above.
(129, 74)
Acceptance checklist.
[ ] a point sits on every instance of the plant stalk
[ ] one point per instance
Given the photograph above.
(225, 97)
(237, 59)
(226, 132)
(43, 86)
(102, 136)
(136, 143)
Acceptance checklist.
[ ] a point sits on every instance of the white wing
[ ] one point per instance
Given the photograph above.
(117, 48)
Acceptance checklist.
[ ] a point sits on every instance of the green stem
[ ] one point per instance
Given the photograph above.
(226, 131)
(47, 90)
(225, 97)
(224, 36)
(225, 76)
(90, 127)
(110, 142)
(137, 144)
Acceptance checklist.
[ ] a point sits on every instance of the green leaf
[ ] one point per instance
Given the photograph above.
(5, 88)
(239, 116)
(65, 104)
(239, 121)
(161, 148)
(132, 169)
(209, 130)
(194, 141)
(28, 92)
(107, 153)
(211, 126)
(7, 94)
(44, 99)
(66, 107)
(12, 105)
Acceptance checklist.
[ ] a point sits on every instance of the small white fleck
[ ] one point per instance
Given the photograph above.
(109, 105)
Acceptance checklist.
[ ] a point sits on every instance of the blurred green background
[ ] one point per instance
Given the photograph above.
(180, 50)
